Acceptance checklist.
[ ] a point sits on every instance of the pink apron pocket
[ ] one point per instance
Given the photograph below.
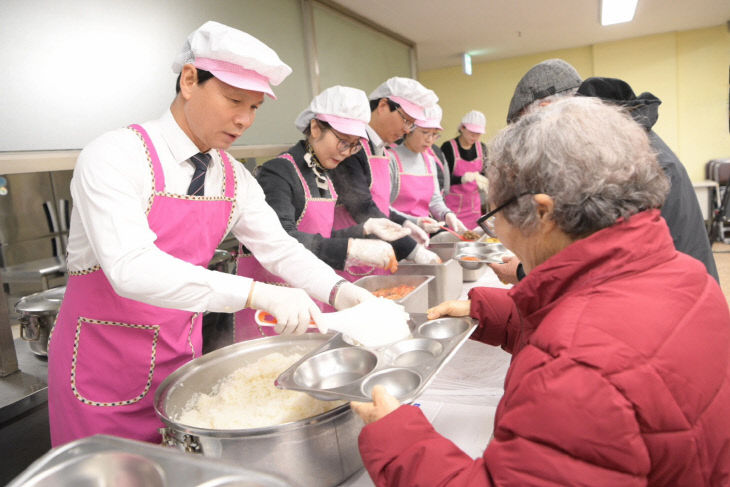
(113, 362)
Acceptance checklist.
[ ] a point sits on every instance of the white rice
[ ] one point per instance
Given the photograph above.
(247, 398)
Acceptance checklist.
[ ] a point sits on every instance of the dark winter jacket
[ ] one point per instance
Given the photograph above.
(681, 209)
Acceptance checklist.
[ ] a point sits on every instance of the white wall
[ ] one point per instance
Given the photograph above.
(74, 69)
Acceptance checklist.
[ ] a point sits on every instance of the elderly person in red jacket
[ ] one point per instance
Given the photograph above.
(620, 344)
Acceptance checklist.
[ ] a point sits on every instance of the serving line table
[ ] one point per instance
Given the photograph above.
(462, 399)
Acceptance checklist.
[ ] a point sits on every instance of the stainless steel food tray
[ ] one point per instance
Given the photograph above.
(480, 252)
(414, 302)
(106, 461)
(447, 276)
(338, 370)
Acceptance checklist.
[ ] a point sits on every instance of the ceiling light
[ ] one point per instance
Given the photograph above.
(466, 63)
(617, 11)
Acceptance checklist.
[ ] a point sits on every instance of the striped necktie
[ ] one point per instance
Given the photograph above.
(200, 161)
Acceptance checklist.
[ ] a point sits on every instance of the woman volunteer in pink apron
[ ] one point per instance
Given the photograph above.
(363, 179)
(297, 186)
(433, 122)
(465, 156)
(151, 203)
(415, 190)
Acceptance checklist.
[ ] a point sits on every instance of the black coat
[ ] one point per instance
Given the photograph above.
(681, 209)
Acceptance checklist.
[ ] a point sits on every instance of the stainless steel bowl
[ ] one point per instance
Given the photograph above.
(317, 451)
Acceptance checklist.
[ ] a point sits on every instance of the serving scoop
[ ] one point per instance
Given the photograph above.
(373, 323)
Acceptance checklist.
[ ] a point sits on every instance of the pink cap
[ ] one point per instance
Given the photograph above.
(472, 127)
(415, 111)
(347, 126)
(236, 75)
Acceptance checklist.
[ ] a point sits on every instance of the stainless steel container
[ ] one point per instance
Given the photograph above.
(319, 451)
(444, 244)
(108, 461)
(447, 277)
(37, 314)
(414, 302)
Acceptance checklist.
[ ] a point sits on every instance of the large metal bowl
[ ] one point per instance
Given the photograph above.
(318, 451)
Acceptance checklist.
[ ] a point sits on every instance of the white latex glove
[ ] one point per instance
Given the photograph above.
(292, 307)
(385, 229)
(348, 295)
(416, 232)
(454, 223)
(421, 255)
(482, 183)
(373, 252)
(469, 177)
(429, 224)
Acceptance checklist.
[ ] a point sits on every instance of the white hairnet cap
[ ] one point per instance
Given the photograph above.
(346, 109)
(474, 121)
(433, 118)
(411, 95)
(234, 57)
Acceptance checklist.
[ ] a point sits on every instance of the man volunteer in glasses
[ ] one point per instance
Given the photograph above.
(362, 181)
(151, 204)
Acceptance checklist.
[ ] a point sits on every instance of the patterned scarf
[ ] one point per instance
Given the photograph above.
(320, 172)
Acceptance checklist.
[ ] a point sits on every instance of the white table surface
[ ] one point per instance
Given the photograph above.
(463, 397)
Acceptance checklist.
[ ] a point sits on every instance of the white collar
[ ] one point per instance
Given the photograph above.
(378, 144)
(180, 145)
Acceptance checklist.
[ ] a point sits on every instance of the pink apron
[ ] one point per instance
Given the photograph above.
(440, 164)
(108, 354)
(414, 191)
(380, 191)
(464, 198)
(317, 217)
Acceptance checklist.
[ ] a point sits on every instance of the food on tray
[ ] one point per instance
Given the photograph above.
(469, 258)
(395, 293)
(489, 240)
(247, 398)
(469, 235)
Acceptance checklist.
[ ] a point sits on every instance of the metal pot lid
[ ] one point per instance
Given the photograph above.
(48, 301)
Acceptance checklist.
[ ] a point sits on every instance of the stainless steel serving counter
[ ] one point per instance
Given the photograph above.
(23, 413)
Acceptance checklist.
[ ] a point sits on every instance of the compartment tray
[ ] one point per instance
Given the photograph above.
(339, 370)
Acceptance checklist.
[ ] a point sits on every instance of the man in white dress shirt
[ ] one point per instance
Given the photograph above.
(143, 229)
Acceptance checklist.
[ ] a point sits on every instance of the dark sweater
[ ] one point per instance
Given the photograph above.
(284, 193)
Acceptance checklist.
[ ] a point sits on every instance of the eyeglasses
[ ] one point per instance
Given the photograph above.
(427, 134)
(344, 146)
(407, 124)
(486, 222)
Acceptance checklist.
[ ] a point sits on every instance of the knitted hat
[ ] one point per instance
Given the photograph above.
(542, 80)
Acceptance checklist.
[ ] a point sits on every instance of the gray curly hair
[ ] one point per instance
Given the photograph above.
(591, 158)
